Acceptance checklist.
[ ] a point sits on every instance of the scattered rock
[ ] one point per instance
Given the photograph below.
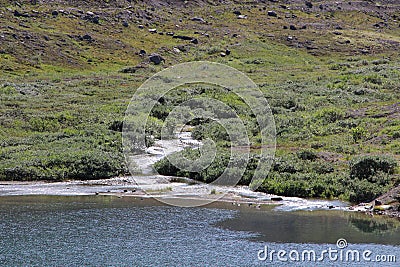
(142, 52)
(140, 26)
(359, 92)
(292, 27)
(19, 14)
(54, 13)
(276, 198)
(170, 33)
(156, 58)
(237, 12)
(242, 17)
(125, 24)
(309, 4)
(176, 50)
(96, 20)
(182, 48)
(272, 13)
(285, 27)
(227, 52)
(378, 202)
(152, 30)
(90, 16)
(198, 19)
(194, 41)
(222, 54)
(86, 37)
(383, 208)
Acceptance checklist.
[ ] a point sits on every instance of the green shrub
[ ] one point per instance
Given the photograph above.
(330, 115)
(358, 133)
(307, 155)
(365, 167)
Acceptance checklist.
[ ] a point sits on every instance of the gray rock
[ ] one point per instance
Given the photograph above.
(242, 17)
(125, 24)
(156, 58)
(272, 13)
(19, 14)
(198, 19)
(194, 41)
(54, 13)
(87, 37)
(183, 37)
(292, 27)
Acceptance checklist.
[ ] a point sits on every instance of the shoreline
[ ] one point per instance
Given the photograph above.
(232, 198)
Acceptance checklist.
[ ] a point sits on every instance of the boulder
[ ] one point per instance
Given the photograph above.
(198, 19)
(272, 13)
(156, 58)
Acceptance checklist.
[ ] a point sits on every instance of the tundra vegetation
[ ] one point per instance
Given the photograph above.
(329, 70)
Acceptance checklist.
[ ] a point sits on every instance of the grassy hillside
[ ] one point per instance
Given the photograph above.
(330, 71)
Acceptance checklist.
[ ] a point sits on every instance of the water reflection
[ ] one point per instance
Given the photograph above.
(315, 227)
(375, 225)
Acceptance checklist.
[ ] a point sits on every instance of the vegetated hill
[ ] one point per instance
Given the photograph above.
(330, 71)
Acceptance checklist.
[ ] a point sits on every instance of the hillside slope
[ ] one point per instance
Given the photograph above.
(330, 71)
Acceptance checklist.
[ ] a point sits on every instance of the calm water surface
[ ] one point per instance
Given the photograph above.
(110, 231)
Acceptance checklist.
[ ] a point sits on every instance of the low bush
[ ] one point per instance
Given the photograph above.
(366, 167)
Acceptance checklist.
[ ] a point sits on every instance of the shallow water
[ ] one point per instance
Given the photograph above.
(105, 230)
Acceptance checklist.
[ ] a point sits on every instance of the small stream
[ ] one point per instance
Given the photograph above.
(150, 184)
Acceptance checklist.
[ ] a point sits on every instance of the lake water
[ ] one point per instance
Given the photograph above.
(111, 231)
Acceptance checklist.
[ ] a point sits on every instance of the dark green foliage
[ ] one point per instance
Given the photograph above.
(71, 155)
(307, 155)
(364, 191)
(366, 167)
